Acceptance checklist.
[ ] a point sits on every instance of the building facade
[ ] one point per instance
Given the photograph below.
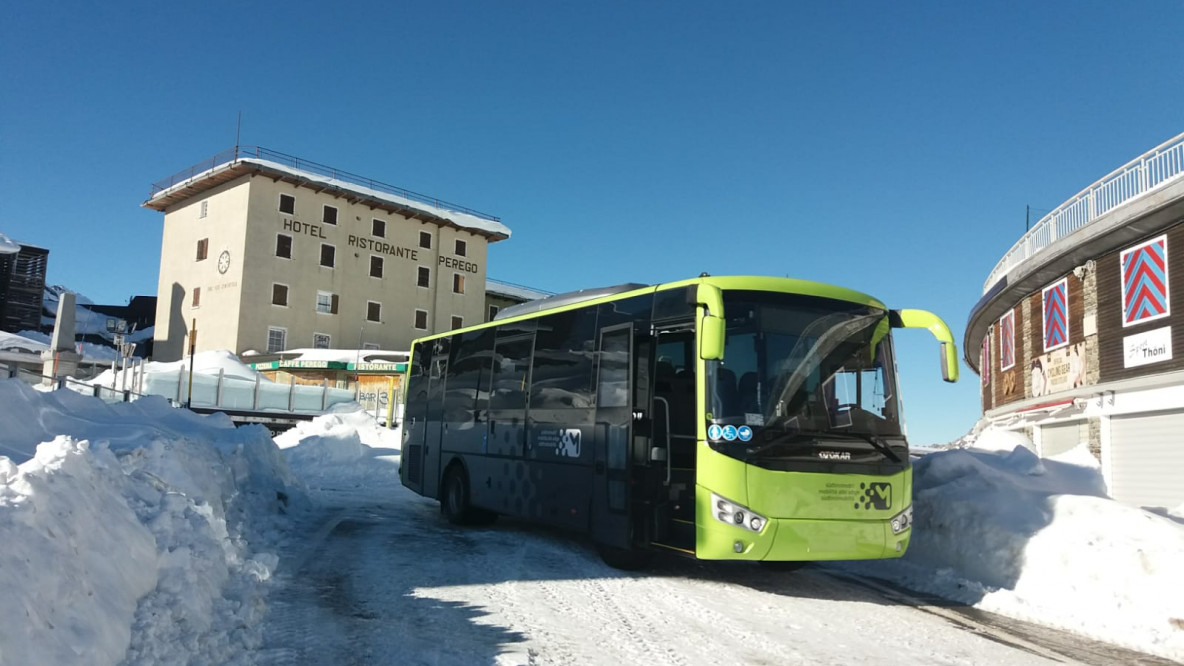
(263, 252)
(22, 288)
(1079, 336)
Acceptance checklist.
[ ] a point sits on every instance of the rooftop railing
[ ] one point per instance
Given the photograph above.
(1140, 176)
(259, 153)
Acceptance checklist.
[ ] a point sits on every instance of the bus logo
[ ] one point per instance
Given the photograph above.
(876, 496)
(569, 444)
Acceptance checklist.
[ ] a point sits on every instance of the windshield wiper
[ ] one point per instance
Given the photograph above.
(877, 444)
(815, 435)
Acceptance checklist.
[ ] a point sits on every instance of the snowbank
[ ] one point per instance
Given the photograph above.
(1040, 540)
(133, 532)
(346, 448)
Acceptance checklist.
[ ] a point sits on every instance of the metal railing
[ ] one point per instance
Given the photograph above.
(104, 393)
(259, 153)
(1149, 171)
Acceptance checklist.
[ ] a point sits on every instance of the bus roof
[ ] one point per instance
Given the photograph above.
(577, 299)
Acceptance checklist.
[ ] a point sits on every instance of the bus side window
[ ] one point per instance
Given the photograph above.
(417, 386)
(562, 372)
(468, 374)
(511, 360)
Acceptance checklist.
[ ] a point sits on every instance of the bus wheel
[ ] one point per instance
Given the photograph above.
(628, 559)
(454, 501)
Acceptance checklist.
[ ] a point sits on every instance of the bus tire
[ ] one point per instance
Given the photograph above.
(454, 500)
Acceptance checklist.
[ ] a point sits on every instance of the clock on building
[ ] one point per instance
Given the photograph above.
(224, 261)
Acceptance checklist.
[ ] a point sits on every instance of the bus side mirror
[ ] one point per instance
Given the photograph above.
(939, 329)
(711, 326)
(949, 362)
(711, 340)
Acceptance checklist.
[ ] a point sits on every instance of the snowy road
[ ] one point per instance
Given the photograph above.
(393, 583)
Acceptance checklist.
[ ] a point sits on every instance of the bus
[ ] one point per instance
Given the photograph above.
(724, 418)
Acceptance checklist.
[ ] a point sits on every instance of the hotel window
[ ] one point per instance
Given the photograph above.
(326, 302)
(203, 249)
(458, 322)
(287, 204)
(425, 240)
(378, 228)
(373, 311)
(279, 294)
(421, 320)
(493, 310)
(458, 283)
(275, 339)
(375, 266)
(283, 246)
(424, 276)
(370, 346)
(205, 208)
(320, 341)
(196, 296)
(461, 248)
(328, 255)
(330, 215)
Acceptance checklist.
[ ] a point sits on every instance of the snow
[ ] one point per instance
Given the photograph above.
(462, 220)
(90, 350)
(8, 246)
(514, 291)
(343, 355)
(139, 533)
(209, 363)
(23, 343)
(132, 532)
(1039, 540)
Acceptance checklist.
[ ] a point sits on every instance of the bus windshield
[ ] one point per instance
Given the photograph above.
(812, 378)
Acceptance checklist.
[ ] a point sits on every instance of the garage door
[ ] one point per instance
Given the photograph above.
(1059, 438)
(1147, 458)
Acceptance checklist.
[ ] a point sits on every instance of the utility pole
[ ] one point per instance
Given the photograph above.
(192, 347)
(1027, 218)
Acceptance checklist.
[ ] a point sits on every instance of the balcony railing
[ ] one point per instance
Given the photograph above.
(1151, 170)
(259, 153)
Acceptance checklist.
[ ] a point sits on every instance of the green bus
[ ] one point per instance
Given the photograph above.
(726, 418)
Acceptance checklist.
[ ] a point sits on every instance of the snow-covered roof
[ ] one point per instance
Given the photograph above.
(471, 220)
(8, 246)
(343, 355)
(514, 291)
(18, 343)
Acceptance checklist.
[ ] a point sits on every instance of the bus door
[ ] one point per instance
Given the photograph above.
(673, 442)
(434, 420)
(414, 414)
(611, 496)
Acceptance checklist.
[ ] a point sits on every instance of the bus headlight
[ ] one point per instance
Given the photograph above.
(727, 511)
(903, 520)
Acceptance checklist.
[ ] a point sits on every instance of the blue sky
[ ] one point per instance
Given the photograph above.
(887, 147)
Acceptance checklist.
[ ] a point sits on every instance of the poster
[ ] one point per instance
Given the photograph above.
(1059, 370)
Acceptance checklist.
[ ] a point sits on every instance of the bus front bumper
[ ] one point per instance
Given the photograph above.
(800, 540)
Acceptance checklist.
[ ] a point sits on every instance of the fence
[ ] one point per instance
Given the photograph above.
(1151, 170)
(207, 391)
(104, 393)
